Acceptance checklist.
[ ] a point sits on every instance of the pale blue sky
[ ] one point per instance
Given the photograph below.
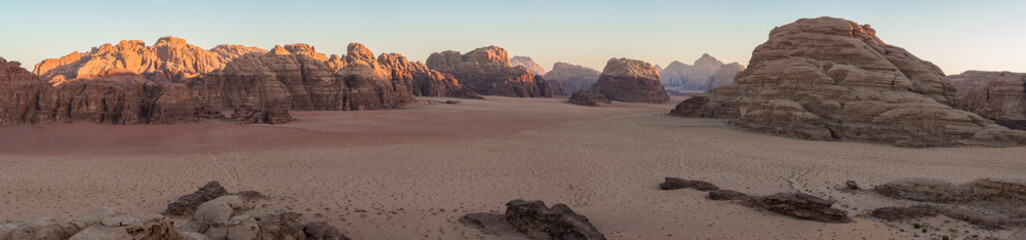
(956, 35)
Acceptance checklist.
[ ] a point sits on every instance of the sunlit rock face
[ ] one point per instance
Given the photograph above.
(118, 97)
(999, 96)
(833, 79)
(488, 71)
(630, 80)
(169, 60)
(573, 77)
(528, 63)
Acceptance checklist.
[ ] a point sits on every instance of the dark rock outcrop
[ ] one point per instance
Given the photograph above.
(322, 231)
(249, 114)
(187, 204)
(724, 194)
(799, 205)
(541, 222)
(999, 96)
(488, 71)
(491, 223)
(169, 60)
(573, 77)
(588, 98)
(995, 203)
(673, 183)
(630, 80)
(833, 79)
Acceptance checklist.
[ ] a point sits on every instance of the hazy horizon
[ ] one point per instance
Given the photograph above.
(957, 36)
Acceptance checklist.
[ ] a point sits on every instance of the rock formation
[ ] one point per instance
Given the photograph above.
(558, 222)
(833, 79)
(999, 96)
(528, 63)
(573, 77)
(672, 183)
(630, 80)
(724, 75)
(799, 205)
(422, 80)
(676, 74)
(488, 71)
(706, 73)
(119, 97)
(186, 204)
(589, 98)
(225, 217)
(169, 60)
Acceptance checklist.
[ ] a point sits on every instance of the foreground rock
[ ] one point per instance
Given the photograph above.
(797, 205)
(169, 60)
(999, 96)
(630, 80)
(488, 71)
(537, 221)
(528, 63)
(832, 79)
(588, 98)
(187, 204)
(573, 77)
(673, 183)
(986, 203)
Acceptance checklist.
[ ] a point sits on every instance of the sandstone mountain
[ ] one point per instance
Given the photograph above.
(488, 71)
(706, 72)
(528, 63)
(573, 77)
(630, 80)
(676, 74)
(262, 85)
(121, 97)
(833, 79)
(169, 60)
(999, 96)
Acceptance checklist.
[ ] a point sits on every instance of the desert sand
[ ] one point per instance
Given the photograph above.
(411, 173)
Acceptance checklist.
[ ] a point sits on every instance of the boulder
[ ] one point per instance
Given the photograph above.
(630, 80)
(488, 71)
(212, 217)
(799, 205)
(833, 79)
(573, 77)
(135, 227)
(322, 231)
(588, 98)
(672, 183)
(187, 204)
(541, 222)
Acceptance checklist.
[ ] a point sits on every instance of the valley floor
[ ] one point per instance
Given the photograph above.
(411, 173)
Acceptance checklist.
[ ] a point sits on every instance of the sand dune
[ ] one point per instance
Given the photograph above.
(410, 173)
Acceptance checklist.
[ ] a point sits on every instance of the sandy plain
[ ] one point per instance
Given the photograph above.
(411, 173)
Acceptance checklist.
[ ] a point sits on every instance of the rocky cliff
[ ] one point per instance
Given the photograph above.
(833, 79)
(120, 97)
(676, 74)
(169, 60)
(573, 77)
(706, 72)
(630, 80)
(999, 96)
(488, 71)
(528, 63)
(725, 75)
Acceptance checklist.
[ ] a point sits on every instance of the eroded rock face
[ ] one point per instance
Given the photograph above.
(249, 114)
(833, 79)
(119, 97)
(573, 77)
(169, 60)
(630, 80)
(541, 222)
(800, 205)
(298, 79)
(999, 96)
(676, 74)
(488, 71)
(588, 98)
(422, 80)
(702, 72)
(528, 63)
(1000, 200)
(724, 75)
